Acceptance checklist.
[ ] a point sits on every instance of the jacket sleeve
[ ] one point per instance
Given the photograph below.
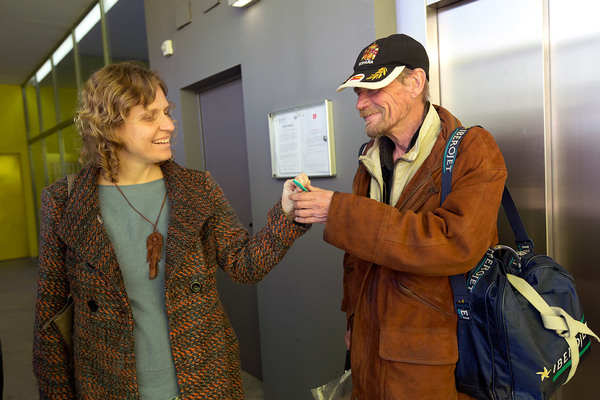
(248, 259)
(50, 358)
(437, 240)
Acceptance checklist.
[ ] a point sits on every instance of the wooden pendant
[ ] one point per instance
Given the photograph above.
(154, 245)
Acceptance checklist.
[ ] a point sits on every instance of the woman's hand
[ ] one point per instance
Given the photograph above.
(289, 187)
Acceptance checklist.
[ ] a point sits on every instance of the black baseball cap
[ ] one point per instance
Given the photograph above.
(382, 61)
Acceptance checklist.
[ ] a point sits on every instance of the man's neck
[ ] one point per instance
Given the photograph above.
(403, 136)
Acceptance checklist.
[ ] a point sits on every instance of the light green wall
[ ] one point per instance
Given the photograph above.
(13, 137)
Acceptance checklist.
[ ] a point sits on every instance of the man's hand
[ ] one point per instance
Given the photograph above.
(312, 206)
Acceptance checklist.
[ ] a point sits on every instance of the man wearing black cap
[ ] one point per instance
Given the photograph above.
(401, 244)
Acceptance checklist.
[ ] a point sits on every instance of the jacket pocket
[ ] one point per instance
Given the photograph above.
(423, 293)
(419, 347)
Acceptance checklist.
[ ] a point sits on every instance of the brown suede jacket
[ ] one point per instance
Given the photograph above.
(397, 295)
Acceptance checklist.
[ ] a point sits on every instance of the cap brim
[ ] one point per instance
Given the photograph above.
(371, 79)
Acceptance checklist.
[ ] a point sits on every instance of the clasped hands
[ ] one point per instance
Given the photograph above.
(305, 207)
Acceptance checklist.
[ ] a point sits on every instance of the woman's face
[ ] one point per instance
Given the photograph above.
(146, 134)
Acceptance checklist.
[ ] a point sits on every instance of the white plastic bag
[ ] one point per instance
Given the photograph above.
(337, 389)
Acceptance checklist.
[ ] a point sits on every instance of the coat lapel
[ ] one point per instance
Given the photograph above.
(432, 165)
(82, 229)
(188, 213)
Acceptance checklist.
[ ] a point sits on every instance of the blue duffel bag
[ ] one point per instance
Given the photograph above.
(521, 329)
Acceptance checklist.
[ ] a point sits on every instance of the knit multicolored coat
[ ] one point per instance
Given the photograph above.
(77, 257)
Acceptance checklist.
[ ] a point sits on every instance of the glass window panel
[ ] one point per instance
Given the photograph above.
(53, 158)
(91, 54)
(67, 86)
(72, 142)
(37, 161)
(126, 25)
(32, 108)
(47, 103)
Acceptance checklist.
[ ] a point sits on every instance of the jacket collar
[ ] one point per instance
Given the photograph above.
(82, 229)
(409, 163)
(432, 164)
(449, 124)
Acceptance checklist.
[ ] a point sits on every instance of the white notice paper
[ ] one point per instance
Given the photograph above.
(287, 139)
(302, 141)
(316, 148)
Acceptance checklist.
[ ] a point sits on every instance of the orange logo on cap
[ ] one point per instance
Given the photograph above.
(358, 77)
(371, 52)
(379, 74)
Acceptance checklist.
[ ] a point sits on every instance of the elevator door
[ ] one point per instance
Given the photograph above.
(491, 74)
(225, 154)
(575, 54)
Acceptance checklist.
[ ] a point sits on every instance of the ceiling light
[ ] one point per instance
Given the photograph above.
(241, 3)
(108, 4)
(87, 23)
(43, 71)
(62, 50)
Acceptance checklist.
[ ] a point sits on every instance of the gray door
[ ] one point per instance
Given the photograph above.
(225, 153)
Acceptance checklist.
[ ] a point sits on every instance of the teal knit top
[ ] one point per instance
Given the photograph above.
(128, 232)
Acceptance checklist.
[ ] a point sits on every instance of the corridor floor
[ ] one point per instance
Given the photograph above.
(17, 302)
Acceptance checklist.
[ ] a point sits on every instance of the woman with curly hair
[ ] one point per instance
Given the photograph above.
(135, 241)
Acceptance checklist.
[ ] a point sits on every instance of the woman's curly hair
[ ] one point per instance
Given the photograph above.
(105, 100)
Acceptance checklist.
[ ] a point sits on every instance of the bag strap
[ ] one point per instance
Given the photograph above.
(70, 179)
(449, 158)
(524, 243)
(462, 305)
(362, 149)
(554, 319)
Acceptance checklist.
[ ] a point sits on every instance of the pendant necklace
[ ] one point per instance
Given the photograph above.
(154, 242)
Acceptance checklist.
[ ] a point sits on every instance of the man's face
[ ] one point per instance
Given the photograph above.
(384, 109)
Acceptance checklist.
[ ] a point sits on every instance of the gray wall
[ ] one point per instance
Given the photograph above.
(291, 53)
(297, 52)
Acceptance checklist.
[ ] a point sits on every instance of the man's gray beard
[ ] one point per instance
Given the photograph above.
(380, 131)
(374, 134)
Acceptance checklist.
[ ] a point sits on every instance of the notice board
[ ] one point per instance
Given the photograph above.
(302, 141)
